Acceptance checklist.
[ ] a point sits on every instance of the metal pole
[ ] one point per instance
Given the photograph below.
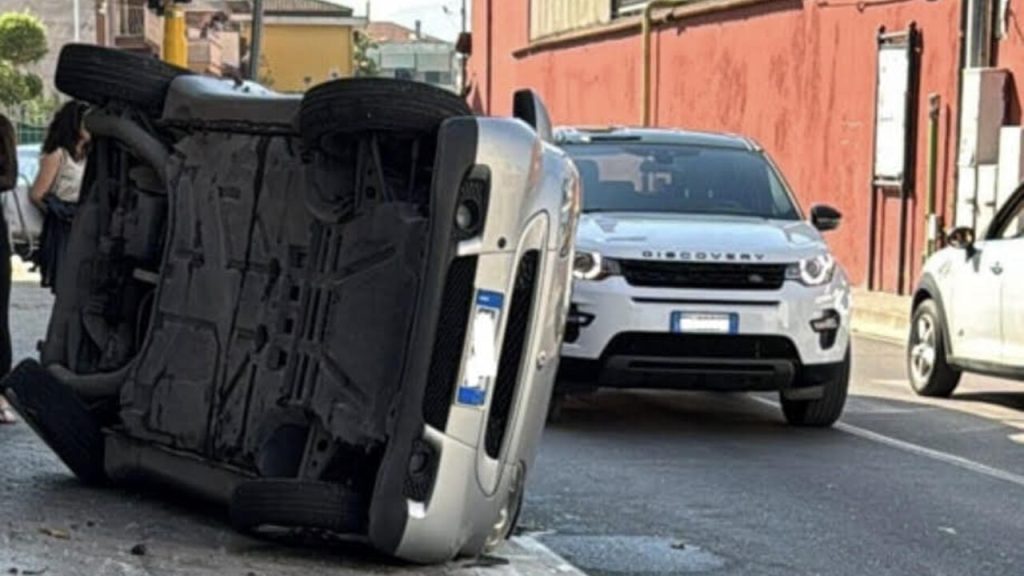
(256, 43)
(78, 32)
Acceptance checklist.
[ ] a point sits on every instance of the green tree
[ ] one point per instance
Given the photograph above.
(365, 65)
(22, 42)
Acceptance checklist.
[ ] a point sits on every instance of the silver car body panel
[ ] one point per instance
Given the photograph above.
(531, 208)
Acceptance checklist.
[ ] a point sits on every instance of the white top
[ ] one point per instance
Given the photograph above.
(68, 183)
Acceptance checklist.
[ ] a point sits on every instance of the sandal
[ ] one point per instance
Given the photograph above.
(7, 415)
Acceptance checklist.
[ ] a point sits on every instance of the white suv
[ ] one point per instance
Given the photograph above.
(696, 270)
(969, 306)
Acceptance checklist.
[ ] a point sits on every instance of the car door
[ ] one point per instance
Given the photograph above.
(1008, 234)
(973, 310)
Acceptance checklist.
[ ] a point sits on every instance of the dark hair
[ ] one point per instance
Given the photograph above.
(65, 130)
(8, 155)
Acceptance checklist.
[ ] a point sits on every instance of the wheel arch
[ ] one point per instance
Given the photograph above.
(928, 289)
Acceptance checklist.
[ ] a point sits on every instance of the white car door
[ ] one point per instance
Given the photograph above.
(1008, 232)
(975, 328)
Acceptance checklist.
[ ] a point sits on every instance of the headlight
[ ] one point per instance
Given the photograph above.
(813, 271)
(592, 266)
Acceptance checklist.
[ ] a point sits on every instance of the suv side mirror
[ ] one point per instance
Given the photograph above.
(825, 218)
(528, 107)
(961, 238)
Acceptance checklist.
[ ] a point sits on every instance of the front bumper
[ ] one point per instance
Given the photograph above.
(620, 336)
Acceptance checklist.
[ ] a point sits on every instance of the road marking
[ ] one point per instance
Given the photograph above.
(912, 448)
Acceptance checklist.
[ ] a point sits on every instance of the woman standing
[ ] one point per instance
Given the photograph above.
(8, 181)
(58, 184)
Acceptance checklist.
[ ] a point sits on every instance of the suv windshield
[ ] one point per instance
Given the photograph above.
(682, 179)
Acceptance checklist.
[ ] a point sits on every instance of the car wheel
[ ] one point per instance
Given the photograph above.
(101, 75)
(375, 104)
(294, 504)
(930, 374)
(60, 418)
(824, 411)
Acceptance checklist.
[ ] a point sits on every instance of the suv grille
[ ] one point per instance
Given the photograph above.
(709, 346)
(715, 276)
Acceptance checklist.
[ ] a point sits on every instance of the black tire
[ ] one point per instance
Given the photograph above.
(60, 418)
(297, 504)
(941, 379)
(99, 75)
(375, 104)
(824, 411)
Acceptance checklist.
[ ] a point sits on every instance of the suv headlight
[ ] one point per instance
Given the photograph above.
(815, 271)
(593, 266)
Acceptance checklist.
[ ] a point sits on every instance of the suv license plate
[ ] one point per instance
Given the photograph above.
(705, 323)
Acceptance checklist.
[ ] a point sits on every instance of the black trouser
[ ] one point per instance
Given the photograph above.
(5, 298)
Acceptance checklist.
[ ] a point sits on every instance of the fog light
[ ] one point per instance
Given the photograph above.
(827, 327)
(828, 322)
(467, 216)
(574, 322)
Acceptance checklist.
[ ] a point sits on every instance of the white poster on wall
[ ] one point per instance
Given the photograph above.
(891, 113)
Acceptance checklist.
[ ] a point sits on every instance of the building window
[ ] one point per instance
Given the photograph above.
(622, 8)
(554, 17)
(405, 74)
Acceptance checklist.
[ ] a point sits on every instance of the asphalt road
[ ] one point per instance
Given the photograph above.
(687, 483)
(626, 483)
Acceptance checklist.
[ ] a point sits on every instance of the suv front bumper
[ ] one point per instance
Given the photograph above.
(621, 336)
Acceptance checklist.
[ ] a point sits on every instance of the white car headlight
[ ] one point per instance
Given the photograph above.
(586, 265)
(593, 266)
(815, 271)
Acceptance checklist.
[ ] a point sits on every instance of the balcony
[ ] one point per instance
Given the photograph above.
(137, 28)
(206, 54)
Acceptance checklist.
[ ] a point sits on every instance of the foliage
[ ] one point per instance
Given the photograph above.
(365, 65)
(22, 42)
(22, 38)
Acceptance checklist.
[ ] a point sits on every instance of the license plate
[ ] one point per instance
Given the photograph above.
(705, 323)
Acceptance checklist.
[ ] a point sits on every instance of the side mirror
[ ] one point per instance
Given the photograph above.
(961, 238)
(825, 218)
(464, 45)
(527, 106)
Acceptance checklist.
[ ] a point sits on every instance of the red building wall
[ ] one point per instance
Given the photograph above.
(799, 77)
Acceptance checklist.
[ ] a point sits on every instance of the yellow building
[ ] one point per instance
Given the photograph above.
(305, 42)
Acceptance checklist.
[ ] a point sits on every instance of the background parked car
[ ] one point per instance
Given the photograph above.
(968, 310)
(24, 220)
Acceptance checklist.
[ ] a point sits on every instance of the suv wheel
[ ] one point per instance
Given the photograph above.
(930, 373)
(99, 75)
(824, 411)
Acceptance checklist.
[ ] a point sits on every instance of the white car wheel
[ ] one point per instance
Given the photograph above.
(930, 374)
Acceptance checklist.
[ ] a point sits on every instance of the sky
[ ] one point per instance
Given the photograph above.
(405, 12)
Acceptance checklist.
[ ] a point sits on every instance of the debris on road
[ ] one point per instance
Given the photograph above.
(139, 550)
(55, 533)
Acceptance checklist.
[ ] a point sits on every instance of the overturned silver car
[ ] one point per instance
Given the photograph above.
(338, 312)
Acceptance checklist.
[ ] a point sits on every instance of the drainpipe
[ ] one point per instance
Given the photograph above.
(648, 29)
(931, 219)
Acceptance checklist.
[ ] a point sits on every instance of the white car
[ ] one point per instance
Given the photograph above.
(24, 220)
(697, 269)
(968, 312)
